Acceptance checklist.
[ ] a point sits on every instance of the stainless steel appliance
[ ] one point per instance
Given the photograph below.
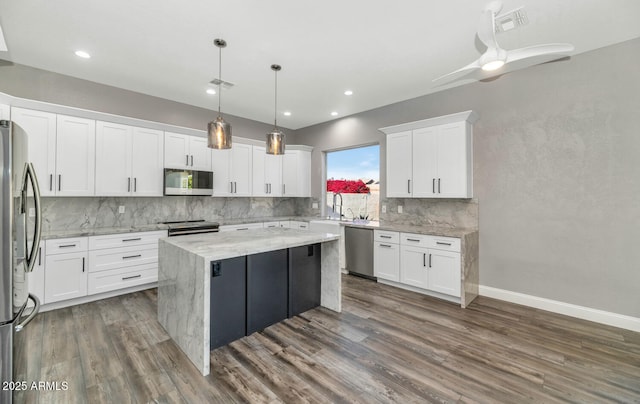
(18, 254)
(187, 182)
(359, 251)
(186, 227)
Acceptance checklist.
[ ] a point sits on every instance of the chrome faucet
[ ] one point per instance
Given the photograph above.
(334, 203)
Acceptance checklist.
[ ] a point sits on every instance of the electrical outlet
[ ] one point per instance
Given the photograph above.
(314, 205)
(121, 209)
(384, 208)
(32, 212)
(399, 208)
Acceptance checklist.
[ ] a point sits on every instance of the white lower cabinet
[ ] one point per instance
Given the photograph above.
(296, 224)
(65, 275)
(428, 263)
(241, 227)
(386, 255)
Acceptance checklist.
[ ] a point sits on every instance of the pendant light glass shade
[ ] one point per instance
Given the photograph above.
(275, 138)
(219, 131)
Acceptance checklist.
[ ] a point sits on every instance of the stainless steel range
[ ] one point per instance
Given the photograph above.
(183, 228)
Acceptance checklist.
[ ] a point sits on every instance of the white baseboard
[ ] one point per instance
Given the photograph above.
(93, 298)
(568, 309)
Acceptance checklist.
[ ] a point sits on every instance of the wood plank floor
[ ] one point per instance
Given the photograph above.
(388, 345)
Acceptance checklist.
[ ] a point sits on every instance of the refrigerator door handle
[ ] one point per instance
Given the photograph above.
(36, 309)
(30, 173)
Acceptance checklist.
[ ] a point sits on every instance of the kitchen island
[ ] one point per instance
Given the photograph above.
(184, 278)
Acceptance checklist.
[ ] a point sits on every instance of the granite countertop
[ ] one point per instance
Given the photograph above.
(408, 228)
(100, 231)
(217, 246)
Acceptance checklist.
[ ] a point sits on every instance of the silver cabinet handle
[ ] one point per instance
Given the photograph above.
(135, 184)
(59, 182)
(128, 184)
(235, 187)
(413, 239)
(385, 245)
(302, 226)
(266, 188)
(383, 236)
(230, 187)
(39, 255)
(424, 259)
(283, 190)
(438, 185)
(408, 186)
(124, 240)
(433, 186)
(82, 264)
(131, 256)
(442, 243)
(66, 245)
(132, 277)
(192, 160)
(243, 228)
(50, 182)
(429, 260)
(187, 156)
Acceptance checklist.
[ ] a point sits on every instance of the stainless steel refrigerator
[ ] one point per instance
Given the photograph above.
(19, 241)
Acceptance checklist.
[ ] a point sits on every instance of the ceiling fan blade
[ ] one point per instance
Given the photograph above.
(560, 49)
(3, 43)
(486, 29)
(460, 72)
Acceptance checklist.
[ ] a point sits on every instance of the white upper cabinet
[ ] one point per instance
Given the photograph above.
(75, 156)
(41, 130)
(232, 169)
(184, 151)
(267, 173)
(4, 112)
(432, 158)
(296, 173)
(128, 160)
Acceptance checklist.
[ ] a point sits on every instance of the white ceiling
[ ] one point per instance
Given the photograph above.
(384, 51)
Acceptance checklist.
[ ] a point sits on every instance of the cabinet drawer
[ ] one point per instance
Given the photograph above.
(271, 225)
(126, 239)
(105, 281)
(386, 236)
(299, 225)
(112, 258)
(444, 243)
(416, 240)
(66, 245)
(234, 227)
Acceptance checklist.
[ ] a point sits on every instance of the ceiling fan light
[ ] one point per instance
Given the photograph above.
(275, 142)
(493, 65)
(219, 134)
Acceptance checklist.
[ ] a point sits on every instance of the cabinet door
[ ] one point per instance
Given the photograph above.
(259, 185)
(291, 173)
(386, 261)
(41, 129)
(413, 266)
(399, 165)
(228, 301)
(267, 289)
(113, 159)
(304, 278)
(241, 169)
(147, 152)
(176, 151)
(200, 154)
(273, 174)
(75, 156)
(454, 161)
(221, 165)
(425, 162)
(444, 272)
(35, 278)
(65, 277)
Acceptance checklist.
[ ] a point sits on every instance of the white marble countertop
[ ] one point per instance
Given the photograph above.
(217, 246)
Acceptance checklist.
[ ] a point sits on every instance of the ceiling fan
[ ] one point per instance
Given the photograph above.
(494, 58)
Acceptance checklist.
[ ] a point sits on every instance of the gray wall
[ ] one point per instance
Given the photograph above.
(41, 85)
(557, 173)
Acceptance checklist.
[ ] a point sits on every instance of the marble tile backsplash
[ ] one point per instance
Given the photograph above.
(461, 213)
(99, 212)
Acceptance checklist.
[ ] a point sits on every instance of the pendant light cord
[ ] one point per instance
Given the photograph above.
(275, 112)
(219, 78)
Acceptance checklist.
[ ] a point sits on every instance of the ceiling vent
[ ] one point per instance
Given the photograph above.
(511, 20)
(224, 84)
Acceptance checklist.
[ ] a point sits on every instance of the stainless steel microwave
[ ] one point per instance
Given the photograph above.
(187, 182)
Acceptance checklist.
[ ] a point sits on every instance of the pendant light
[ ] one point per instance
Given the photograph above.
(219, 131)
(275, 138)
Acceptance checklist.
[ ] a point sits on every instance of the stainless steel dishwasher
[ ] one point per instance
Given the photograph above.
(359, 251)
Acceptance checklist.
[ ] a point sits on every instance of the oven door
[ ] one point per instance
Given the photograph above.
(187, 182)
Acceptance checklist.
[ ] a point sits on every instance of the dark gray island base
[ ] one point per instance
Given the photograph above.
(215, 288)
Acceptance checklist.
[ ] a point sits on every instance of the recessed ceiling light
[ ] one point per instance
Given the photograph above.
(82, 54)
(211, 91)
(287, 113)
(334, 113)
(348, 92)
